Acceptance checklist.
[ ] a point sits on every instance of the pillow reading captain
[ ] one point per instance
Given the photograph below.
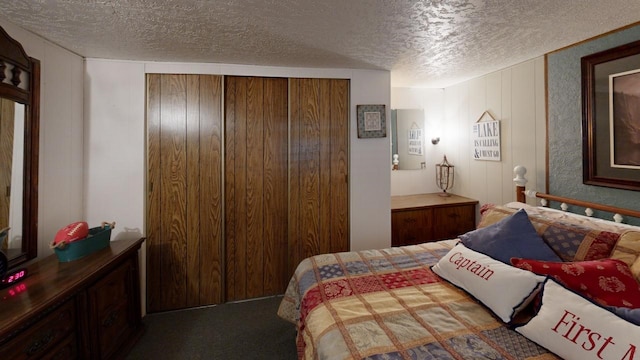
(502, 288)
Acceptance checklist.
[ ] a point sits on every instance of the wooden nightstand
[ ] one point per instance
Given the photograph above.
(429, 217)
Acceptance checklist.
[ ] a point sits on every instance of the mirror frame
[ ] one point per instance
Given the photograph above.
(12, 53)
(395, 135)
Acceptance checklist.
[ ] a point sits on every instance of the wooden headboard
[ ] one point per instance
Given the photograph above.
(522, 193)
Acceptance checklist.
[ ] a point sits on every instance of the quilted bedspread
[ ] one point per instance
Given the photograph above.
(388, 304)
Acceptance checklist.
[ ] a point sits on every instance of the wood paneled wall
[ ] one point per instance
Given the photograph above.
(184, 203)
(256, 186)
(516, 97)
(319, 164)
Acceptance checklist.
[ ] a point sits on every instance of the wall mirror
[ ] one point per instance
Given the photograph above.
(19, 127)
(407, 139)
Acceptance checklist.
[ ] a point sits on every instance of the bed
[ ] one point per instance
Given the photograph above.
(529, 283)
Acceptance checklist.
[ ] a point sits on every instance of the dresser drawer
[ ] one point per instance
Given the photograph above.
(112, 318)
(452, 221)
(422, 218)
(45, 336)
(66, 350)
(111, 290)
(411, 227)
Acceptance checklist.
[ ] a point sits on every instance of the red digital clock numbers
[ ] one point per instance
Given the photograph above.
(13, 277)
(20, 288)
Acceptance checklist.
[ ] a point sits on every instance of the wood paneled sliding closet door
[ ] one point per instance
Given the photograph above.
(319, 164)
(184, 203)
(256, 186)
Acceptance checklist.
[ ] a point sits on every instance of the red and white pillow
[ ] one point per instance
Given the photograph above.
(502, 288)
(575, 328)
(607, 281)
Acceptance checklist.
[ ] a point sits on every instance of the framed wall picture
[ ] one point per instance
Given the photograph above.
(485, 138)
(371, 121)
(414, 142)
(611, 117)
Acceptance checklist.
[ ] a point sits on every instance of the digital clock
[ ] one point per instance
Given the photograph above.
(8, 278)
(12, 277)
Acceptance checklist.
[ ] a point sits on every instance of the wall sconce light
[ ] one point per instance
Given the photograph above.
(435, 140)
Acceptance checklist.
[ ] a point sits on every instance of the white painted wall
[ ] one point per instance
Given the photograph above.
(61, 126)
(103, 177)
(108, 184)
(369, 183)
(407, 182)
(92, 142)
(516, 97)
(115, 144)
(115, 133)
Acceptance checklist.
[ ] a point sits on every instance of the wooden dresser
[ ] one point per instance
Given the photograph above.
(429, 217)
(83, 309)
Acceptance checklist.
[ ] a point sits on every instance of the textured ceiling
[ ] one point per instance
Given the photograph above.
(432, 43)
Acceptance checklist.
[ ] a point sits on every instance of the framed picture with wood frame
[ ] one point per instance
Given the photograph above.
(611, 117)
(371, 121)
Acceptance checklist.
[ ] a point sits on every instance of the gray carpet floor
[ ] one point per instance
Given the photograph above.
(242, 330)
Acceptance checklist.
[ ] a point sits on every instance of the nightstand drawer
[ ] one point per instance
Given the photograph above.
(411, 227)
(452, 221)
(422, 218)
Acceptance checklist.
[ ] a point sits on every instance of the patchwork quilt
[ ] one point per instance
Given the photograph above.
(388, 304)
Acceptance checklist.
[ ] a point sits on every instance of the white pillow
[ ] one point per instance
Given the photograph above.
(575, 328)
(502, 288)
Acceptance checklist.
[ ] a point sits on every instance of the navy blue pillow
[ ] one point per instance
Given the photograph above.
(513, 236)
(631, 315)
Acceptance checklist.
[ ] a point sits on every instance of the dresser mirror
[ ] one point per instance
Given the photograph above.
(407, 139)
(19, 127)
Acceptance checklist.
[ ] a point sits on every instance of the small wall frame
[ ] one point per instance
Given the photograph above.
(371, 121)
(485, 138)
